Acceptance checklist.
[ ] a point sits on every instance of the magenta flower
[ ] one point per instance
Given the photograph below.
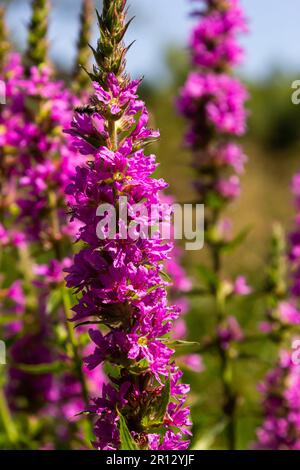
(281, 391)
(288, 313)
(229, 331)
(280, 429)
(214, 40)
(45, 162)
(241, 287)
(213, 102)
(38, 165)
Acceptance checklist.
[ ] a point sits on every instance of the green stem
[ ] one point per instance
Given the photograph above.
(7, 420)
(229, 395)
(112, 128)
(74, 344)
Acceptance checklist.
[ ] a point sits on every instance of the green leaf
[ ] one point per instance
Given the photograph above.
(33, 104)
(4, 319)
(208, 276)
(214, 201)
(127, 441)
(237, 241)
(166, 276)
(155, 415)
(205, 442)
(54, 301)
(164, 401)
(132, 128)
(153, 288)
(111, 370)
(183, 347)
(53, 367)
(139, 367)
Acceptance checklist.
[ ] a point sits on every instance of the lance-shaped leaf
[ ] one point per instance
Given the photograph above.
(206, 441)
(126, 439)
(54, 301)
(207, 276)
(157, 411)
(182, 347)
(237, 241)
(6, 319)
(51, 368)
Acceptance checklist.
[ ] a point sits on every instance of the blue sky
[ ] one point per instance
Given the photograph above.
(273, 41)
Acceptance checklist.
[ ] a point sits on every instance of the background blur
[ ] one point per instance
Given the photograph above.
(272, 63)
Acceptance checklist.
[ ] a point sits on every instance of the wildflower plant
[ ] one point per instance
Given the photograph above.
(280, 429)
(212, 101)
(119, 281)
(46, 375)
(95, 304)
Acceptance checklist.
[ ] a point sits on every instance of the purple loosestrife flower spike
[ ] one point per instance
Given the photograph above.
(38, 165)
(294, 240)
(37, 46)
(280, 429)
(4, 48)
(119, 281)
(213, 103)
(80, 77)
(281, 402)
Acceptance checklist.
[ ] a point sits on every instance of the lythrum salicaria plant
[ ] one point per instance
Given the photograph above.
(213, 102)
(119, 282)
(45, 374)
(280, 389)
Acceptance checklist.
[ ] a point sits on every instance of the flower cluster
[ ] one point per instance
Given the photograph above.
(281, 391)
(38, 161)
(294, 239)
(213, 40)
(120, 280)
(214, 102)
(230, 331)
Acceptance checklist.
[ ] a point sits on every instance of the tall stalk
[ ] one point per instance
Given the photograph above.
(212, 101)
(80, 79)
